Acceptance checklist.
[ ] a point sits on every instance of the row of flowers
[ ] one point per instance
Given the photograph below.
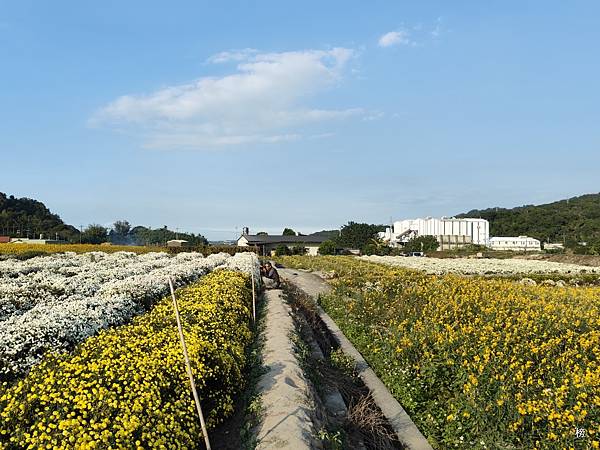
(490, 266)
(478, 363)
(59, 323)
(127, 387)
(23, 284)
(8, 251)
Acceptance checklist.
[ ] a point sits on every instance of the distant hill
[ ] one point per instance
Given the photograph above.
(20, 217)
(328, 234)
(573, 220)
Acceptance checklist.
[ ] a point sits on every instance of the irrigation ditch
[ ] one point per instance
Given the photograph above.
(308, 387)
(346, 414)
(387, 425)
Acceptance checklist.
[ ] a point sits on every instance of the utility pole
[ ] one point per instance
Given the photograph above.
(80, 232)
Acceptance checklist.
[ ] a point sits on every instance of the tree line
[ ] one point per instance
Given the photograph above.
(122, 233)
(29, 218)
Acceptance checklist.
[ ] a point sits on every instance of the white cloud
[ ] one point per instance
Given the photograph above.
(264, 100)
(416, 36)
(400, 37)
(373, 115)
(232, 55)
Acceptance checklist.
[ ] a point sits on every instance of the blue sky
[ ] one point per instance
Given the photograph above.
(211, 116)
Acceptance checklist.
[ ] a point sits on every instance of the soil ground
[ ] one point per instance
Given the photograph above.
(227, 435)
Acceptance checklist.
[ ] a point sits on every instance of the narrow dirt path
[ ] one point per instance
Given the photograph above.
(310, 283)
(286, 420)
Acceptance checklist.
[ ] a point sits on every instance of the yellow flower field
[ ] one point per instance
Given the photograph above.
(19, 249)
(127, 386)
(478, 363)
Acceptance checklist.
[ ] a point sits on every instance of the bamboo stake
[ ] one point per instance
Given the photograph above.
(253, 300)
(188, 367)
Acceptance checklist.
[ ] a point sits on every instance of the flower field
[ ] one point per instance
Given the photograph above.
(18, 249)
(481, 266)
(126, 387)
(55, 302)
(478, 363)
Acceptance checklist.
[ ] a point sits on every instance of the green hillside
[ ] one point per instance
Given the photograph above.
(570, 221)
(22, 217)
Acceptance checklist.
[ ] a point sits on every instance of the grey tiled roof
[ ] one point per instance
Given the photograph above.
(257, 240)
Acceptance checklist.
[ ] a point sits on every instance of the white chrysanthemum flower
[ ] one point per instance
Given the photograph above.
(54, 302)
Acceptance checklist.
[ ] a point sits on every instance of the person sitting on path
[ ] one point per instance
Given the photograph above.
(270, 272)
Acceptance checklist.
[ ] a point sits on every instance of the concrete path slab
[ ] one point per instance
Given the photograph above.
(286, 420)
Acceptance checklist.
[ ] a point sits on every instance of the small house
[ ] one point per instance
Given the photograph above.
(267, 244)
(178, 243)
(518, 243)
(36, 241)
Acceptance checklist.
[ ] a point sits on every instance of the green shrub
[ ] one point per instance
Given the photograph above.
(327, 248)
(422, 244)
(282, 250)
(298, 250)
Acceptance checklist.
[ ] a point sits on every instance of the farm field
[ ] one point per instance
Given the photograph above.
(89, 351)
(24, 251)
(477, 363)
(466, 266)
(20, 249)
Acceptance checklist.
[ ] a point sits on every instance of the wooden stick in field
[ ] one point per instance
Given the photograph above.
(188, 367)
(253, 299)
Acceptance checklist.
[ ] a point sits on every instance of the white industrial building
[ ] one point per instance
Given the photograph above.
(454, 233)
(519, 243)
(449, 232)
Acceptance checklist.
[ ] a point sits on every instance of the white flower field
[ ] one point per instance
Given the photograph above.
(465, 266)
(55, 302)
